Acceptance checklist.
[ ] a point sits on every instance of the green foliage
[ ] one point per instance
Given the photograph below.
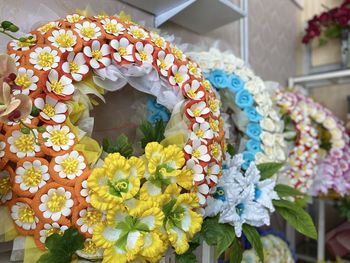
(267, 170)
(25, 130)
(231, 150)
(9, 26)
(285, 191)
(344, 208)
(296, 217)
(41, 129)
(120, 145)
(236, 254)
(152, 133)
(254, 239)
(62, 248)
(35, 111)
(333, 31)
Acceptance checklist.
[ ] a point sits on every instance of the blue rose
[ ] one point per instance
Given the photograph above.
(252, 114)
(243, 99)
(253, 130)
(157, 112)
(248, 157)
(235, 84)
(253, 146)
(218, 78)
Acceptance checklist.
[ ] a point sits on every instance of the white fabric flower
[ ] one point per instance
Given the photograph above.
(51, 109)
(23, 145)
(179, 75)
(98, 55)
(58, 137)
(49, 229)
(23, 45)
(75, 66)
(26, 80)
(88, 30)
(201, 131)
(88, 219)
(44, 58)
(197, 110)
(123, 49)
(212, 171)
(15, 59)
(74, 18)
(144, 53)
(69, 165)
(164, 62)
(63, 39)
(137, 32)
(197, 169)
(202, 192)
(45, 28)
(198, 151)
(193, 90)
(61, 86)
(84, 192)
(2, 149)
(111, 26)
(194, 70)
(158, 40)
(23, 216)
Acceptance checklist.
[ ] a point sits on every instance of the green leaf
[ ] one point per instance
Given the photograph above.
(267, 170)
(62, 248)
(41, 129)
(6, 24)
(225, 240)
(120, 145)
(13, 28)
(296, 217)
(285, 191)
(187, 257)
(254, 239)
(231, 150)
(152, 133)
(210, 230)
(236, 254)
(35, 111)
(25, 130)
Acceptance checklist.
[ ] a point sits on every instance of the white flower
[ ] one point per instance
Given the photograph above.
(329, 123)
(26, 80)
(23, 45)
(27, 120)
(84, 192)
(24, 216)
(137, 32)
(88, 218)
(2, 147)
(51, 109)
(57, 202)
(177, 52)
(212, 171)
(58, 137)
(6, 186)
(214, 106)
(63, 39)
(45, 28)
(164, 62)
(88, 30)
(32, 175)
(202, 132)
(61, 86)
(44, 58)
(74, 18)
(144, 53)
(198, 151)
(111, 26)
(216, 151)
(158, 40)
(98, 55)
(194, 70)
(202, 192)
(197, 169)
(69, 165)
(198, 110)
(23, 145)
(75, 66)
(50, 229)
(267, 124)
(179, 75)
(319, 116)
(15, 59)
(214, 126)
(193, 90)
(123, 49)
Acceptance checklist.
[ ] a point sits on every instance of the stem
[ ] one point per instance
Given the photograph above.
(31, 131)
(8, 34)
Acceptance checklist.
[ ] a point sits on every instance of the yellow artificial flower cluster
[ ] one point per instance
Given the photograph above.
(148, 204)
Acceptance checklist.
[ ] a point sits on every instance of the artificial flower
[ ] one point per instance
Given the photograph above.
(123, 49)
(15, 58)
(177, 52)
(198, 151)
(74, 18)
(75, 66)
(59, 85)
(5, 185)
(45, 28)
(87, 219)
(164, 62)
(88, 30)
(144, 53)
(27, 80)
(218, 78)
(201, 131)
(63, 39)
(51, 109)
(194, 90)
(69, 165)
(112, 26)
(178, 75)
(23, 214)
(44, 230)
(198, 111)
(25, 45)
(235, 84)
(44, 58)
(98, 54)
(137, 32)
(58, 137)
(23, 145)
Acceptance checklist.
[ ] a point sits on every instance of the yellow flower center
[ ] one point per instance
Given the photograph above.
(197, 112)
(143, 55)
(162, 64)
(32, 177)
(52, 231)
(73, 67)
(70, 165)
(56, 202)
(112, 28)
(193, 69)
(199, 133)
(57, 87)
(49, 110)
(192, 93)
(90, 247)
(59, 137)
(177, 53)
(159, 41)
(122, 51)
(213, 125)
(47, 27)
(65, 40)
(26, 215)
(178, 78)
(88, 31)
(96, 54)
(206, 85)
(215, 150)
(45, 59)
(196, 153)
(23, 81)
(26, 43)
(209, 171)
(138, 33)
(5, 185)
(25, 143)
(213, 106)
(93, 217)
(74, 18)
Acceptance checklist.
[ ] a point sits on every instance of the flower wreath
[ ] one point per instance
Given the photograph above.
(130, 207)
(255, 114)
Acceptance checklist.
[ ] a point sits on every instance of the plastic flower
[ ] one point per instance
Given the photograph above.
(164, 62)
(201, 131)
(244, 99)
(193, 90)
(5, 185)
(69, 165)
(198, 110)
(123, 49)
(194, 70)
(74, 18)
(90, 250)
(197, 151)
(59, 85)
(47, 229)
(18, 45)
(178, 75)
(87, 219)
(15, 58)
(214, 126)
(23, 214)
(23, 145)
(44, 58)
(45, 28)
(75, 66)
(58, 137)
(218, 78)
(63, 39)
(213, 172)
(137, 32)
(144, 53)
(111, 26)
(51, 109)
(98, 54)
(27, 80)
(197, 171)
(88, 30)
(177, 52)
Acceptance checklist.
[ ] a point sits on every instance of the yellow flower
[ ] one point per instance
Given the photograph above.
(137, 167)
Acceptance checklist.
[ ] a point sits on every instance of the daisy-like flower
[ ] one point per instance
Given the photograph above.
(144, 53)
(45, 28)
(178, 75)
(202, 192)
(32, 175)
(23, 214)
(60, 86)
(74, 18)
(193, 90)
(58, 137)
(123, 49)
(216, 151)
(23, 45)
(88, 30)
(198, 151)
(214, 106)
(214, 126)
(69, 165)
(164, 62)
(15, 59)
(75, 66)
(177, 52)
(82, 190)
(23, 145)
(47, 229)
(26, 80)
(98, 55)
(213, 172)
(201, 131)
(87, 219)
(63, 39)
(194, 70)
(158, 40)
(44, 58)
(138, 32)
(51, 109)
(197, 170)
(56, 203)
(198, 110)
(90, 250)
(5, 185)
(111, 26)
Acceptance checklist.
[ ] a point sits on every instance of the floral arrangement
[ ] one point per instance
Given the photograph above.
(328, 24)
